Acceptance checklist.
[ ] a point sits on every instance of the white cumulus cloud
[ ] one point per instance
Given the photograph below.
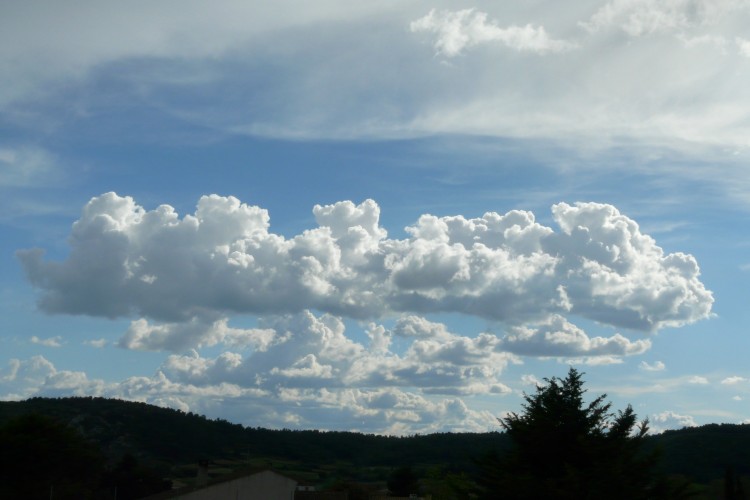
(192, 383)
(183, 277)
(557, 337)
(315, 352)
(37, 376)
(144, 336)
(669, 420)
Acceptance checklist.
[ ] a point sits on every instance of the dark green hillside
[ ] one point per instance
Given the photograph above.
(169, 443)
(145, 431)
(165, 436)
(704, 453)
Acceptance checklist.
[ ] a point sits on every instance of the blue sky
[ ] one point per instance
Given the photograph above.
(391, 217)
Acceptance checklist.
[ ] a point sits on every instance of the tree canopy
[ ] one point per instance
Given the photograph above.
(41, 458)
(565, 448)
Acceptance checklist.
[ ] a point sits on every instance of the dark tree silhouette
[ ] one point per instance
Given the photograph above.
(403, 482)
(129, 480)
(733, 486)
(42, 458)
(564, 448)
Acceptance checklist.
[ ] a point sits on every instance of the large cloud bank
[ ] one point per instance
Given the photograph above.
(183, 279)
(223, 260)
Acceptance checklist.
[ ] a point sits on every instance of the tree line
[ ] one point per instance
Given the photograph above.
(558, 446)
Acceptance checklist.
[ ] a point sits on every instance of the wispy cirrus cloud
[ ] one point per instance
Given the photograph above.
(26, 166)
(459, 30)
(646, 17)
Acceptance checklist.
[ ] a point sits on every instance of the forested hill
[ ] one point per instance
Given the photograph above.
(166, 437)
(705, 453)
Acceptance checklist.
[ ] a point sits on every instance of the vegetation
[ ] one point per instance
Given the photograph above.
(42, 458)
(563, 448)
(557, 444)
(162, 437)
(39, 458)
(403, 482)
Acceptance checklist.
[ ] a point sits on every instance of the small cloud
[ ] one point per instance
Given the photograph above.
(734, 380)
(556, 336)
(737, 398)
(50, 342)
(33, 369)
(25, 166)
(98, 343)
(743, 45)
(594, 361)
(531, 380)
(418, 327)
(697, 380)
(668, 420)
(656, 367)
(171, 402)
(703, 40)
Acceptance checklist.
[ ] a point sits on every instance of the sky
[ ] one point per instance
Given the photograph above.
(384, 217)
